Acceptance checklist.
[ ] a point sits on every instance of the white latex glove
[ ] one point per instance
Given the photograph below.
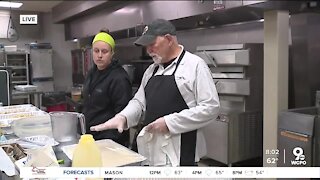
(117, 122)
(158, 126)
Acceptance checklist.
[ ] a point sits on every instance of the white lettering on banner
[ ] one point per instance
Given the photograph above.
(172, 172)
(113, 172)
(155, 172)
(196, 172)
(29, 19)
(77, 172)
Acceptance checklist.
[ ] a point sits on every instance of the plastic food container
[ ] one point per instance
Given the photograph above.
(6, 120)
(32, 126)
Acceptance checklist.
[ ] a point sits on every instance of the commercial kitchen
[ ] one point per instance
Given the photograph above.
(263, 56)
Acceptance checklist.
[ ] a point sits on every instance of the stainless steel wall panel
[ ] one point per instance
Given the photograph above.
(304, 59)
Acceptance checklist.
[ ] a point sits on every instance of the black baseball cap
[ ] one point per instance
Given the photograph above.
(157, 27)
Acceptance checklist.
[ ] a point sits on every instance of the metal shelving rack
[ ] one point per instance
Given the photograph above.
(19, 62)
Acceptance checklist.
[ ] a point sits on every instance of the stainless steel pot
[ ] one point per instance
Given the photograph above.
(65, 125)
(130, 69)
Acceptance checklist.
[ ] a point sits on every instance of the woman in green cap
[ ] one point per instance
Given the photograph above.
(107, 89)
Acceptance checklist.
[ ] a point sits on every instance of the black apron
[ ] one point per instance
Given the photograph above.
(162, 98)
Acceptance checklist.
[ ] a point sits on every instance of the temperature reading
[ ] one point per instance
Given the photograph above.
(259, 172)
(272, 160)
(177, 172)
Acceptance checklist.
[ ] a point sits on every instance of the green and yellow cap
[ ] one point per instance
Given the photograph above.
(105, 37)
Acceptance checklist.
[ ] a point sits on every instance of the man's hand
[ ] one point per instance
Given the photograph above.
(117, 122)
(158, 126)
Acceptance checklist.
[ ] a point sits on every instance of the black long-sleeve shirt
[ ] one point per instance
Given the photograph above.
(106, 92)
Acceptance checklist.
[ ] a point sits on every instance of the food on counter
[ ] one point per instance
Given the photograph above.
(17, 110)
(4, 125)
(16, 106)
(22, 115)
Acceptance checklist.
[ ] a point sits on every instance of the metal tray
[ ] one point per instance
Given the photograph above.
(113, 154)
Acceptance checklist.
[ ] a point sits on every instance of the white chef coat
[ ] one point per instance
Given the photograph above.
(194, 80)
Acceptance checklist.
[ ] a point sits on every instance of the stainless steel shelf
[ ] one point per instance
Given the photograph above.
(17, 77)
(17, 59)
(18, 62)
(19, 82)
(20, 96)
(18, 67)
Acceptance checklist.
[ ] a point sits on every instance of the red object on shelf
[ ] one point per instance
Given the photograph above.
(58, 107)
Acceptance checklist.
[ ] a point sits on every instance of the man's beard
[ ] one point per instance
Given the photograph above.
(156, 58)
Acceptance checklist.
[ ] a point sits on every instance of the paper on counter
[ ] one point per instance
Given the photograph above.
(41, 157)
(112, 153)
(32, 142)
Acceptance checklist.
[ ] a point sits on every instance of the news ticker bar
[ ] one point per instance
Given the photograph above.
(171, 172)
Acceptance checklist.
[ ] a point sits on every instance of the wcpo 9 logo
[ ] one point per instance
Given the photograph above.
(299, 157)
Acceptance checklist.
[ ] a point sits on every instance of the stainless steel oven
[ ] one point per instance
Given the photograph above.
(237, 70)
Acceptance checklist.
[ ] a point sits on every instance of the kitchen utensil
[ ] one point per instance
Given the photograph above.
(27, 123)
(65, 125)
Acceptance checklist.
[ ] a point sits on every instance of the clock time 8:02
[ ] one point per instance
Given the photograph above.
(272, 151)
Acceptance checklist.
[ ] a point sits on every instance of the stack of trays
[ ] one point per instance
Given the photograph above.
(8, 114)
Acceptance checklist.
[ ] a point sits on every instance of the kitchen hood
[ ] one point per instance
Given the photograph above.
(125, 18)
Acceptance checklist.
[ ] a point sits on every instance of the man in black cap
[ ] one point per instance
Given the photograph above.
(176, 98)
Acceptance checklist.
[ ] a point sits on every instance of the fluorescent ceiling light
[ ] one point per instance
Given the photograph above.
(10, 4)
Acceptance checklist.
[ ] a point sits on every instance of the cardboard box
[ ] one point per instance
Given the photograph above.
(11, 155)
